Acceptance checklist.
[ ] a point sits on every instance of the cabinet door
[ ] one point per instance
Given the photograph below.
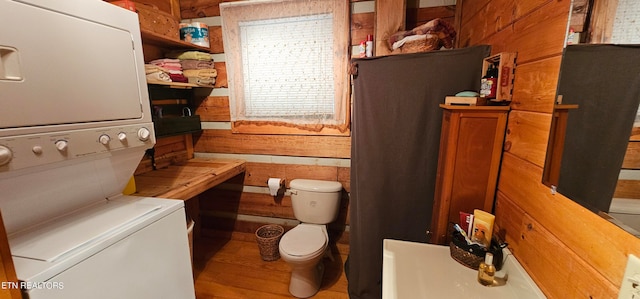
(469, 160)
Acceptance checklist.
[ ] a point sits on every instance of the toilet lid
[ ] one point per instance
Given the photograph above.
(303, 240)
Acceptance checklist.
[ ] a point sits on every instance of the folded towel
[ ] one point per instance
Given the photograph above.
(202, 81)
(158, 76)
(172, 71)
(164, 60)
(202, 73)
(151, 68)
(194, 64)
(178, 78)
(169, 64)
(190, 55)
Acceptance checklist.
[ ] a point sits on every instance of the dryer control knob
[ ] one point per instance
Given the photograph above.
(5, 155)
(122, 136)
(62, 145)
(36, 149)
(104, 139)
(144, 134)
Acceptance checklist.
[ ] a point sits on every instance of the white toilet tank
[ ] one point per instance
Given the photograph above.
(315, 201)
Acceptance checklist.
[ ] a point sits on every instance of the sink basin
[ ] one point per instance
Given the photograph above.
(417, 270)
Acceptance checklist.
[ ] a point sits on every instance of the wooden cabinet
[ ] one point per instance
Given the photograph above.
(469, 159)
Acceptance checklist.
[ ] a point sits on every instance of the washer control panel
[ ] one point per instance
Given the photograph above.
(39, 149)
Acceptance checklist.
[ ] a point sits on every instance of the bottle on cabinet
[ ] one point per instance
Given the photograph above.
(486, 270)
(489, 83)
(369, 46)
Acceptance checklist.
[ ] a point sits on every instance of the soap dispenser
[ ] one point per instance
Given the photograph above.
(486, 270)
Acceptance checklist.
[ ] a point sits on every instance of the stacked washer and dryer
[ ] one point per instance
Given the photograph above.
(74, 124)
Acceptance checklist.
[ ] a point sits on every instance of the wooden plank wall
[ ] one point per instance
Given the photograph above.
(243, 204)
(569, 251)
(629, 185)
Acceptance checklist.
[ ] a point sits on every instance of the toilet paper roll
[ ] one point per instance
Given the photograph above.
(195, 33)
(274, 185)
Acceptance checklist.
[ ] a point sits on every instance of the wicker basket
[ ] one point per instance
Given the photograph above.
(472, 255)
(157, 21)
(268, 237)
(430, 43)
(464, 257)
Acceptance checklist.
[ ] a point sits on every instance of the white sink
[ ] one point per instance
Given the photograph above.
(417, 270)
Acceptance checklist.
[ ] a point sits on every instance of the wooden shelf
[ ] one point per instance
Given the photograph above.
(187, 179)
(153, 38)
(158, 45)
(178, 84)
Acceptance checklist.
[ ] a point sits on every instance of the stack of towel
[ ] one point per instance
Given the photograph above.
(187, 67)
(171, 67)
(197, 67)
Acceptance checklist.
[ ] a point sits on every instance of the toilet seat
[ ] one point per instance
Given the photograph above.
(304, 240)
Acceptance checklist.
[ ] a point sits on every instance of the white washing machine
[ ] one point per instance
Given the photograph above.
(122, 248)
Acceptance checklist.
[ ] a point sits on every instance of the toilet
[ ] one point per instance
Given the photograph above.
(315, 203)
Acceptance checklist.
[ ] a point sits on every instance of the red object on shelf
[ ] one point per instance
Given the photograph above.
(128, 4)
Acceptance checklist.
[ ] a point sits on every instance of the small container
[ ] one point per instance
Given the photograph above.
(482, 231)
(369, 46)
(196, 33)
(486, 270)
(489, 83)
(362, 50)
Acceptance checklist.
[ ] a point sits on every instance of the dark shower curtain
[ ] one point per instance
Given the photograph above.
(394, 151)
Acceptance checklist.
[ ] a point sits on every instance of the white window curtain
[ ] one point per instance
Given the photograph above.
(288, 69)
(287, 61)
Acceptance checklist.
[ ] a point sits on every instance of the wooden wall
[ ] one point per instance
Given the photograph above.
(242, 204)
(629, 185)
(569, 251)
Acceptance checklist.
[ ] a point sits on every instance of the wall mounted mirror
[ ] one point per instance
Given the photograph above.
(593, 156)
(600, 89)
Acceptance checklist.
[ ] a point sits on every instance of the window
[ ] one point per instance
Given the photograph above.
(287, 66)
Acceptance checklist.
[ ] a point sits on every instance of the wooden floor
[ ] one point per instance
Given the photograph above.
(231, 267)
